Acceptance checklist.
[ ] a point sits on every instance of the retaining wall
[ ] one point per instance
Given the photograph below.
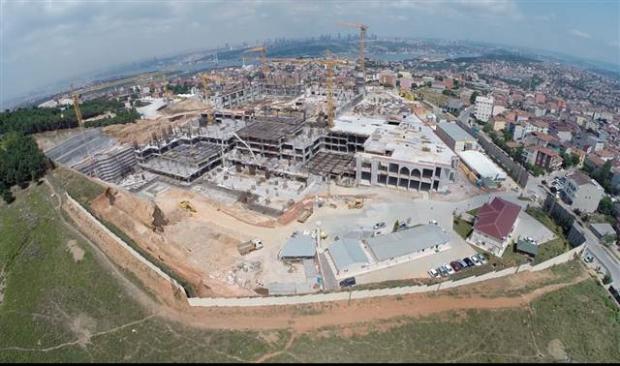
(121, 253)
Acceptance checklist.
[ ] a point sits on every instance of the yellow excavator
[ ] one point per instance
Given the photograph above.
(355, 203)
(187, 206)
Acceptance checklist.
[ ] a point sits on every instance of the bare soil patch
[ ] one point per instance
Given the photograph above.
(76, 251)
(83, 326)
(556, 349)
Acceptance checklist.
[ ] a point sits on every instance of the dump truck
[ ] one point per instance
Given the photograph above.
(187, 206)
(355, 203)
(305, 214)
(249, 246)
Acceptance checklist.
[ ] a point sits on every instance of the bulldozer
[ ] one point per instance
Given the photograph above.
(187, 206)
(355, 203)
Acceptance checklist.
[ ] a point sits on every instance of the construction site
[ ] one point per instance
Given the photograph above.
(235, 185)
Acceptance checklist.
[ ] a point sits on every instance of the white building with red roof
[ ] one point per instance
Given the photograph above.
(494, 224)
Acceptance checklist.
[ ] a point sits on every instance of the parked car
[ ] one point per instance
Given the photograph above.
(456, 266)
(448, 269)
(442, 271)
(482, 258)
(433, 273)
(379, 225)
(433, 222)
(544, 182)
(474, 258)
(347, 282)
(469, 262)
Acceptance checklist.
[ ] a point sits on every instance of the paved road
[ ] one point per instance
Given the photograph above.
(603, 255)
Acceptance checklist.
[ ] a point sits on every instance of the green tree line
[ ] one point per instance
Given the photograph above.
(34, 119)
(21, 161)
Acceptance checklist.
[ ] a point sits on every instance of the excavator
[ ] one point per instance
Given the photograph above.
(187, 206)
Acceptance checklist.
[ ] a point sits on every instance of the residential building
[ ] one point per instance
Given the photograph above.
(543, 157)
(582, 192)
(494, 224)
(484, 108)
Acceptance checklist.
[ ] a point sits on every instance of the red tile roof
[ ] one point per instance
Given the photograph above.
(497, 218)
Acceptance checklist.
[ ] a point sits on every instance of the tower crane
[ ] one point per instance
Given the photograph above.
(363, 28)
(78, 115)
(329, 62)
(76, 107)
(262, 51)
(205, 84)
(329, 81)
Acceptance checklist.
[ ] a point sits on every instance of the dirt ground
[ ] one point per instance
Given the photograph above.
(142, 130)
(134, 216)
(76, 252)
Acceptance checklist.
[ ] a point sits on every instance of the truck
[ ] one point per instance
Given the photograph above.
(305, 214)
(249, 246)
(355, 203)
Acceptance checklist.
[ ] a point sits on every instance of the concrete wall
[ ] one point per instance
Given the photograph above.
(123, 255)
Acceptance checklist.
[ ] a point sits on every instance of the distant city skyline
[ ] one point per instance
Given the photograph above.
(46, 42)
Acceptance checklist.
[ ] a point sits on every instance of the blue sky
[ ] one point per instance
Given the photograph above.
(47, 41)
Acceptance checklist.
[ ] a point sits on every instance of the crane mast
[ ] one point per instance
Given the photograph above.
(363, 28)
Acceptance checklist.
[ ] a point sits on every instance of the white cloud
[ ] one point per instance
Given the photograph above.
(580, 34)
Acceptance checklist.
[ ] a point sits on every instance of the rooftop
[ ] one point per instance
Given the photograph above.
(485, 167)
(497, 218)
(581, 179)
(300, 246)
(455, 132)
(411, 141)
(407, 241)
(346, 252)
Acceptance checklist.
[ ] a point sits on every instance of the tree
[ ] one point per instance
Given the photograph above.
(472, 98)
(606, 279)
(606, 206)
(21, 161)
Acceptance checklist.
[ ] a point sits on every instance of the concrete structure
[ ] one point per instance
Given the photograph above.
(407, 242)
(408, 156)
(109, 165)
(353, 256)
(601, 230)
(484, 108)
(298, 248)
(543, 157)
(582, 192)
(479, 167)
(455, 137)
(348, 256)
(528, 246)
(494, 224)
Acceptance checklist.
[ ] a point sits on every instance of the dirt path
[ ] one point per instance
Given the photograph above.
(135, 291)
(302, 319)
